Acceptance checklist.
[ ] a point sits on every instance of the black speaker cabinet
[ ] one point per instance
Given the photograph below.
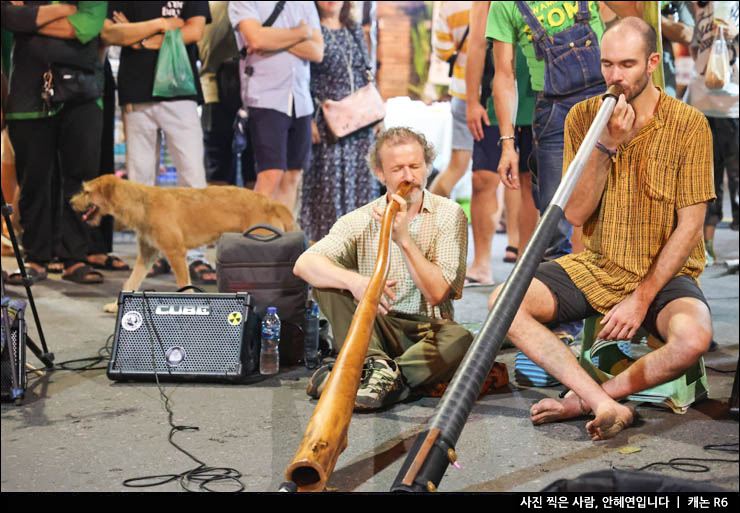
(13, 358)
(734, 396)
(185, 337)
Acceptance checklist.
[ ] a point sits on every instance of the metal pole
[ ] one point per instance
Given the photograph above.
(434, 449)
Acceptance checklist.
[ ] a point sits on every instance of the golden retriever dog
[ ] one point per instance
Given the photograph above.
(175, 219)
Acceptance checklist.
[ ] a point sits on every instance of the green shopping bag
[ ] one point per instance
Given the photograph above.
(173, 75)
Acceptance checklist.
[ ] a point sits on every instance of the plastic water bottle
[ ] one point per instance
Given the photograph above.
(311, 336)
(269, 355)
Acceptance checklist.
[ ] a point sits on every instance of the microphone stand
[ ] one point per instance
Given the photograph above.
(43, 354)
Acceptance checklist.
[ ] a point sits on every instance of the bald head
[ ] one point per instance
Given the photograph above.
(632, 25)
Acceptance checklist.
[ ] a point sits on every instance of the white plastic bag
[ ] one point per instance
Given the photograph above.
(717, 75)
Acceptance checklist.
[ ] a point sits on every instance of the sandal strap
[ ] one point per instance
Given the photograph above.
(82, 273)
(206, 269)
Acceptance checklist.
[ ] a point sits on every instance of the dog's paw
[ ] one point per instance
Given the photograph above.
(111, 307)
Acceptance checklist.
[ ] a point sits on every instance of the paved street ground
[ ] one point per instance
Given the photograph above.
(79, 431)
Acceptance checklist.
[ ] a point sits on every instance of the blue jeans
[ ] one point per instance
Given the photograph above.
(548, 128)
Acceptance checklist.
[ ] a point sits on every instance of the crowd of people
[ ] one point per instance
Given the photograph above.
(309, 53)
(526, 79)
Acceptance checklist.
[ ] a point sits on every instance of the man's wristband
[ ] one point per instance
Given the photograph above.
(504, 138)
(601, 147)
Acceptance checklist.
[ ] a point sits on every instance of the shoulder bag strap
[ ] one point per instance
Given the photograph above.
(268, 22)
(462, 41)
(364, 54)
(365, 61)
(274, 15)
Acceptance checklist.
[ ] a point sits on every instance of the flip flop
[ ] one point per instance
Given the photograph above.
(515, 251)
(16, 278)
(85, 275)
(197, 275)
(472, 282)
(55, 266)
(107, 265)
(161, 266)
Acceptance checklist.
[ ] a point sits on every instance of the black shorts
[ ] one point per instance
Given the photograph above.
(280, 141)
(487, 152)
(572, 304)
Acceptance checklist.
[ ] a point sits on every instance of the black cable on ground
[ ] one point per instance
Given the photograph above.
(202, 474)
(104, 354)
(691, 464)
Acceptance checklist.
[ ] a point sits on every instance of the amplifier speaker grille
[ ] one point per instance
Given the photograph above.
(13, 355)
(182, 336)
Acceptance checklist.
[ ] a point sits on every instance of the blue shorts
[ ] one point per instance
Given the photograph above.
(279, 141)
(487, 152)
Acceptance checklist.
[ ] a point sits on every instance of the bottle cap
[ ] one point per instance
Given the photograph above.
(271, 309)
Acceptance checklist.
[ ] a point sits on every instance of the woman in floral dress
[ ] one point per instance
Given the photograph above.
(338, 180)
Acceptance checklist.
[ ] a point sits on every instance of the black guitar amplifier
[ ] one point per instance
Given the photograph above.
(13, 357)
(185, 337)
(734, 409)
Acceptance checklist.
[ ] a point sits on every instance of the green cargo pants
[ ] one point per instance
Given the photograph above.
(426, 349)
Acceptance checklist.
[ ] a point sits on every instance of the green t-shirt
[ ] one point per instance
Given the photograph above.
(506, 23)
(88, 20)
(527, 97)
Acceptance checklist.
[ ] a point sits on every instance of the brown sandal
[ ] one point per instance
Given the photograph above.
(84, 275)
(109, 264)
(161, 266)
(16, 278)
(55, 266)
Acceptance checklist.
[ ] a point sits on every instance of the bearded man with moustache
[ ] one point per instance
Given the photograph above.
(414, 342)
(641, 201)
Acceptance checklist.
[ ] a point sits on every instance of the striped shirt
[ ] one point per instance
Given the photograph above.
(439, 230)
(666, 167)
(450, 25)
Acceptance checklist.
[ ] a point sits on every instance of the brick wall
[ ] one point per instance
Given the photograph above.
(394, 47)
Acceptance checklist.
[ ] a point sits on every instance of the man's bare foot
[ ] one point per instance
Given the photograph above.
(610, 420)
(553, 410)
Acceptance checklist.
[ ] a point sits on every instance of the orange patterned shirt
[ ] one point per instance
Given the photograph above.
(667, 166)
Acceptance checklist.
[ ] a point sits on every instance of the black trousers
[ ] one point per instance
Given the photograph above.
(52, 157)
(725, 143)
(100, 238)
(217, 121)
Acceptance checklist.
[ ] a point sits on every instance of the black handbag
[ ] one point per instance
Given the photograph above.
(65, 83)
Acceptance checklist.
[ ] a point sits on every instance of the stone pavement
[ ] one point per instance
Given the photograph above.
(79, 431)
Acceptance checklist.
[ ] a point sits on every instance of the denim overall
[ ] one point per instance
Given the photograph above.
(572, 74)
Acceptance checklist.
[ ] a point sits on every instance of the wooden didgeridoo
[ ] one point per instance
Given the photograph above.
(326, 435)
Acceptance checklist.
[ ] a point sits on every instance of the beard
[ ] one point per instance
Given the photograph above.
(639, 86)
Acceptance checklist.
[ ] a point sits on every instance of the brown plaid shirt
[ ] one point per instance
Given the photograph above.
(667, 166)
(440, 231)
